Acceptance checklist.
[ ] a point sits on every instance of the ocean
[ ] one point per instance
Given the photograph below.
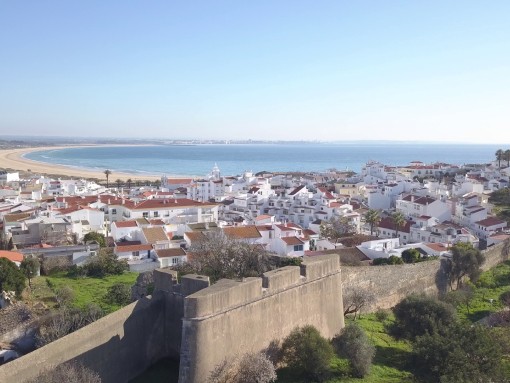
(198, 160)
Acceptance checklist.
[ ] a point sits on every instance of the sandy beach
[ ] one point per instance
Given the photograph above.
(13, 159)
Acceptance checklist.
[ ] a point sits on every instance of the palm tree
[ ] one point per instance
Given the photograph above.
(372, 217)
(499, 156)
(129, 181)
(107, 174)
(399, 221)
(506, 157)
(118, 182)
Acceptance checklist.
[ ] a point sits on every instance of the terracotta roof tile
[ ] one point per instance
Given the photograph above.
(242, 232)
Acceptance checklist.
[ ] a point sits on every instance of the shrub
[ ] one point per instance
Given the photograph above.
(250, 368)
(417, 315)
(307, 351)
(11, 278)
(118, 294)
(355, 345)
(411, 256)
(68, 373)
(381, 315)
(106, 263)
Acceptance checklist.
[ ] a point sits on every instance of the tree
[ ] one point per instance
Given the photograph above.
(355, 299)
(507, 157)
(464, 262)
(306, 351)
(411, 256)
(68, 373)
(398, 220)
(391, 260)
(462, 296)
(463, 353)
(105, 263)
(373, 218)
(118, 294)
(118, 182)
(30, 266)
(499, 156)
(220, 256)
(355, 345)
(249, 368)
(11, 278)
(96, 237)
(129, 183)
(417, 315)
(107, 173)
(337, 228)
(505, 298)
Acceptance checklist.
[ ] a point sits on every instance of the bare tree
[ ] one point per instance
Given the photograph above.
(355, 299)
(68, 373)
(249, 368)
(337, 228)
(220, 256)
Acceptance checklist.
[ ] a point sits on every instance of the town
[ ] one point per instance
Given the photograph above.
(379, 215)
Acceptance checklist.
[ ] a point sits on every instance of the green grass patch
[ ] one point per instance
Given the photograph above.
(86, 289)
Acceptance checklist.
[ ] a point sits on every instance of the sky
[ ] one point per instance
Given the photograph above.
(276, 70)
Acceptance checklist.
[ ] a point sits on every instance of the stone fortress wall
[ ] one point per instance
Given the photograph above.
(204, 325)
(201, 324)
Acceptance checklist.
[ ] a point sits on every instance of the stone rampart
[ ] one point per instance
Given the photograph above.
(392, 283)
(231, 318)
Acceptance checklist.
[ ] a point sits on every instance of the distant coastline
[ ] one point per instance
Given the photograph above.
(15, 159)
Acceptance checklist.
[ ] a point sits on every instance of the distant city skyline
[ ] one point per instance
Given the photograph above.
(286, 70)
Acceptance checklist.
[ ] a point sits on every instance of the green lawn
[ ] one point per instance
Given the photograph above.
(86, 289)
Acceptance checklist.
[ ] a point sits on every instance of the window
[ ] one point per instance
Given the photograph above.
(175, 260)
(136, 253)
(156, 214)
(114, 211)
(145, 214)
(298, 248)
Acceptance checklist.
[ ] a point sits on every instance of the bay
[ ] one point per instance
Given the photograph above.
(234, 159)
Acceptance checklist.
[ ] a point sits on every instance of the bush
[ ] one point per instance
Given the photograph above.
(417, 315)
(68, 373)
(64, 296)
(411, 256)
(250, 368)
(96, 237)
(391, 260)
(118, 294)
(11, 278)
(106, 263)
(355, 345)
(381, 315)
(462, 353)
(51, 265)
(305, 350)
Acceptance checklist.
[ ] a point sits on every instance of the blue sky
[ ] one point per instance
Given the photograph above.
(321, 70)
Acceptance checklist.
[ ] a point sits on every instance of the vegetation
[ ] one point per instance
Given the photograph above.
(355, 299)
(501, 199)
(418, 315)
(219, 256)
(96, 237)
(107, 174)
(411, 256)
(372, 217)
(68, 373)
(11, 278)
(249, 368)
(399, 221)
(118, 294)
(30, 268)
(306, 352)
(391, 260)
(465, 262)
(337, 228)
(101, 265)
(355, 345)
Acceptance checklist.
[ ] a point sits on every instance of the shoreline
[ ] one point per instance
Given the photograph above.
(14, 159)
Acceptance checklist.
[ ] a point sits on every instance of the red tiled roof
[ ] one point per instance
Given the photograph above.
(165, 253)
(387, 223)
(131, 248)
(292, 241)
(490, 221)
(242, 232)
(12, 256)
(154, 204)
(296, 190)
(125, 224)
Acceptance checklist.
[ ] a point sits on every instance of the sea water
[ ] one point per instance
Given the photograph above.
(234, 159)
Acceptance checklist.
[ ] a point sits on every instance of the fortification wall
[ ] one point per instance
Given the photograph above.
(231, 318)
(118, 346)
(392, 283)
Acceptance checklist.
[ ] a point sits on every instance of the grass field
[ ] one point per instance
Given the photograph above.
(86, 289)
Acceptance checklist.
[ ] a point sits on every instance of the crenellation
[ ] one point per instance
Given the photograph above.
(318, 267)
(281, 278)
(191, 283)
